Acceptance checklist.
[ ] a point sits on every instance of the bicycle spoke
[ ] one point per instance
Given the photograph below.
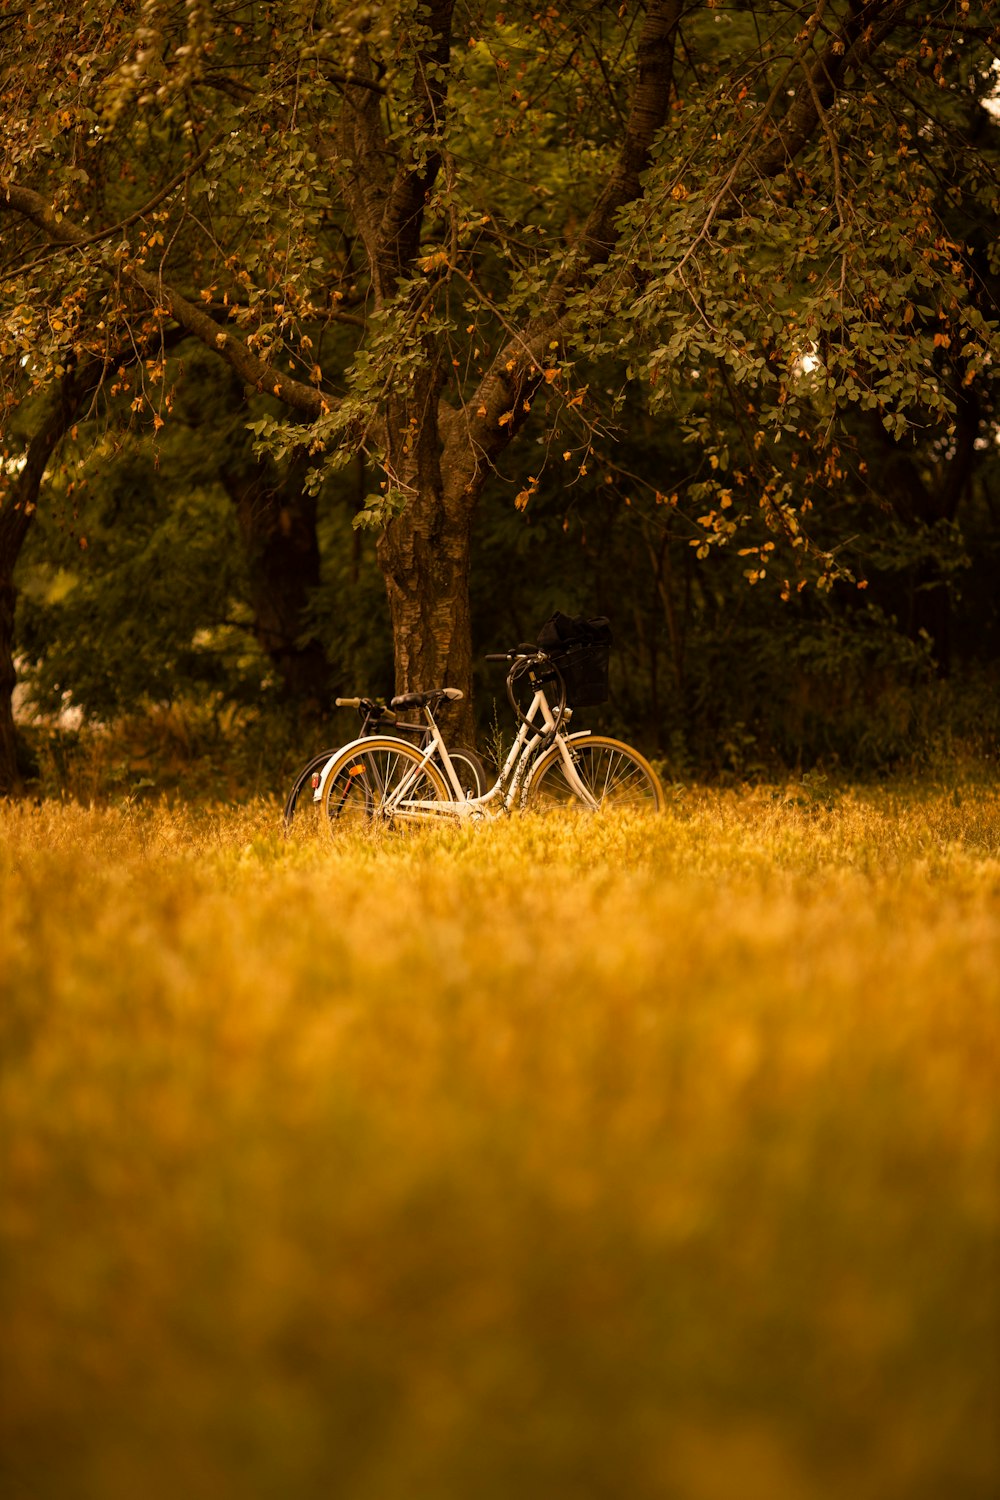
(378, 784)
(612, 775)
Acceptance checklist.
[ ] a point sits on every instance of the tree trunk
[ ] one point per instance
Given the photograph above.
(424, 554)
(277, 521)
(18, 500)
(929, 611)
(11, 539)
(425, 563)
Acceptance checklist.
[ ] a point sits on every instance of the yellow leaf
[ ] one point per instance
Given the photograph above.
(431, 262)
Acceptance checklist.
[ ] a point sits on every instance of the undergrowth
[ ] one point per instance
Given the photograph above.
(569, 1157)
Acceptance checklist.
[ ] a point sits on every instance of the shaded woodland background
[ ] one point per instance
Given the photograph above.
(762, 438)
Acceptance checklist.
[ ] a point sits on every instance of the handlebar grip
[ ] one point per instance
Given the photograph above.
(497, 656)
(347, 702)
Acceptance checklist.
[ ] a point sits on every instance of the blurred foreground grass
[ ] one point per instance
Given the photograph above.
(575, 1158)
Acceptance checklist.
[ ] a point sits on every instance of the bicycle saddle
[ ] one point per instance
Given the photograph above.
(422, 700)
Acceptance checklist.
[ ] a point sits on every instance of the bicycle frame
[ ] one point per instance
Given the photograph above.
(514, 775)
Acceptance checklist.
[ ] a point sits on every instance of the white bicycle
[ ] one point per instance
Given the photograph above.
(384, 780)
(302, 811)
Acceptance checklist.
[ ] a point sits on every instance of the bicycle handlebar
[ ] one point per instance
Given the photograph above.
(519, 653)
(528, 658)
(347, 702)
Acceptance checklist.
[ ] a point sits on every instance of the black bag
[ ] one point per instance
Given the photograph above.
(581, 649)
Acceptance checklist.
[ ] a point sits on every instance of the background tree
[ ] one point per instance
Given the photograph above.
(426, 230)
(20, 482)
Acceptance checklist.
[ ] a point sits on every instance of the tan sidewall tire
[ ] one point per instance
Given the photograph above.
(385, 742)
(594, 739)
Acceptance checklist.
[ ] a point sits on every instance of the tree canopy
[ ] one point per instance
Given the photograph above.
(447, 249)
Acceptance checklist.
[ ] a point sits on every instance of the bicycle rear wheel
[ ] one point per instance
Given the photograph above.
(380, 783)
(302, 813)
(470, 771)
(613, 774)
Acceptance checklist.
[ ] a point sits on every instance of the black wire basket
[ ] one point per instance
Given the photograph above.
(581, 649)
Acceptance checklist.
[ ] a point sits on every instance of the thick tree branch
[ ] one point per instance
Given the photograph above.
(867, 27)
(388, 205)
(349, 80)
(133, 218)
(501, 404)
(725, 202)
(861, 35)
(399, 233)
(362, 145)
(21, 495)
(647, 116)
(171, 303)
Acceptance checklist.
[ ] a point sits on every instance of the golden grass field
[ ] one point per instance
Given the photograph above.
(578, 1159)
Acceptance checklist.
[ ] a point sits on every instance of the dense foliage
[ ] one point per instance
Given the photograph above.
(688, 316)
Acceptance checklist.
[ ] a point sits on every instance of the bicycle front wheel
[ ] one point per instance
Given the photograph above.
(613, 775)
(380, 783)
